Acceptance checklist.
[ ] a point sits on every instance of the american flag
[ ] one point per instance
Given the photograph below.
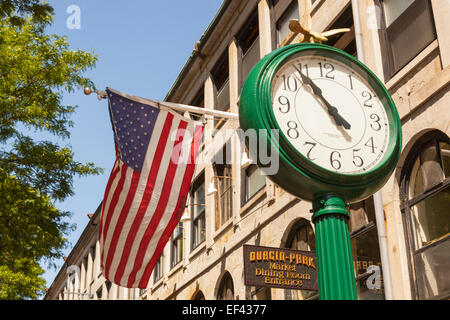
(148, 187)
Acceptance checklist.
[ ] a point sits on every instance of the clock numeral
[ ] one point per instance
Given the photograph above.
(357, 160)
(293, 132)
(290, 83)
(351, 81)
(284, 101)
(299, 68)
(370, 144)
(368, 97)
(376, 125)
(335, 163)
(327, 66)
(310, 150)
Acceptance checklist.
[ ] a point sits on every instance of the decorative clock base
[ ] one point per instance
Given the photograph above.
(334, 255)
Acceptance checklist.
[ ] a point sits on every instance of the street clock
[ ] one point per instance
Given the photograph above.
(331, 120)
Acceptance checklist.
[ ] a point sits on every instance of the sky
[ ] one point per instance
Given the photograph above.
(142, 45)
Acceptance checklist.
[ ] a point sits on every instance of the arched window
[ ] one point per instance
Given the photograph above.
(226, 288)
(426, 212)
(301, 237)
(199, 296)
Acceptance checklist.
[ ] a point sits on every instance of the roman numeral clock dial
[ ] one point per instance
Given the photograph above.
(330, 114)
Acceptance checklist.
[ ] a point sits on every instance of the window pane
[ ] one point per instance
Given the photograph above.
(249, 32)
(431, 166)
(361, 214)
(250, 59)
(199, 230)
(177, 251)
(366, 258)
(283, 24)
(394, 8)
(311, 239)
(411, 33)
(432, 271)
(358, 216)
(223, 97)
(255, 181)
(431, 218)
(303, 239)
(416, 183)
(226, 289)
(158, 270)
(445, 154)
(199, 201)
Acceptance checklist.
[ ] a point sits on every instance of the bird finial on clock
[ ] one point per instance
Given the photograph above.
(311, 36)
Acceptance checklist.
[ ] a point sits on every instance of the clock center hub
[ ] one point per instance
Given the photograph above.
(320, 125)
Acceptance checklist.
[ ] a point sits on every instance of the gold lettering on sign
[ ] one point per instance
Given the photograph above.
(281, 268)
(276, 256)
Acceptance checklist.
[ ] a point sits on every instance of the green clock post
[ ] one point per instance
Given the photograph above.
(337, 134)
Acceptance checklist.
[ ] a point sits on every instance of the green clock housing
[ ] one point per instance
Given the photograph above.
(337, 130)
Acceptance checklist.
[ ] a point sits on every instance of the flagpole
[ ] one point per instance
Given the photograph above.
(170, 105)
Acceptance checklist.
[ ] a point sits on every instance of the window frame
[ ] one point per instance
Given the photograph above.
(173, 252)
(398, 24)
(220, 75)
(280, 11)
(244, 190)
(222, 167)
(245, 46)
(311, 243)
(199, 181)
(226, 280)
(158, 269)
(408, 202)
(344, 41)
(370, 226)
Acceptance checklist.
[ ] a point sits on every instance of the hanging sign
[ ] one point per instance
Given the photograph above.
(280, 268)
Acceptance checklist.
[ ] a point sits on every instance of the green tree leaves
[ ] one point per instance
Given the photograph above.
(35, 70)
(16, 10)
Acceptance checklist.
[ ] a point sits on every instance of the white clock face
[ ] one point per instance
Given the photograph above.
(330, 114)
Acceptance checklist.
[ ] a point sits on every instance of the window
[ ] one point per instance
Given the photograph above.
(84, 267)
(301, 238)
(344, 41)
(223, 184)
(199, 296)
(409, 29)
(248, 40)
(254, 181)
(108, 293)
(198, 101)
(99, 293)
(92, 252)
(220, 75)
(426, 198)
(284, 11)
(366, 251)
(197, 208)
(158, 270)
(226, 288)
(177, 245)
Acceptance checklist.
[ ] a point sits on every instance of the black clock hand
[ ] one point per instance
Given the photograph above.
(333, 111)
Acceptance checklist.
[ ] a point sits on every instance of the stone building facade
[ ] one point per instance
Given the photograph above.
(405, 44)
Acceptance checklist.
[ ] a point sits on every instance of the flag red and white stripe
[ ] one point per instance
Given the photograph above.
(147, 189)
